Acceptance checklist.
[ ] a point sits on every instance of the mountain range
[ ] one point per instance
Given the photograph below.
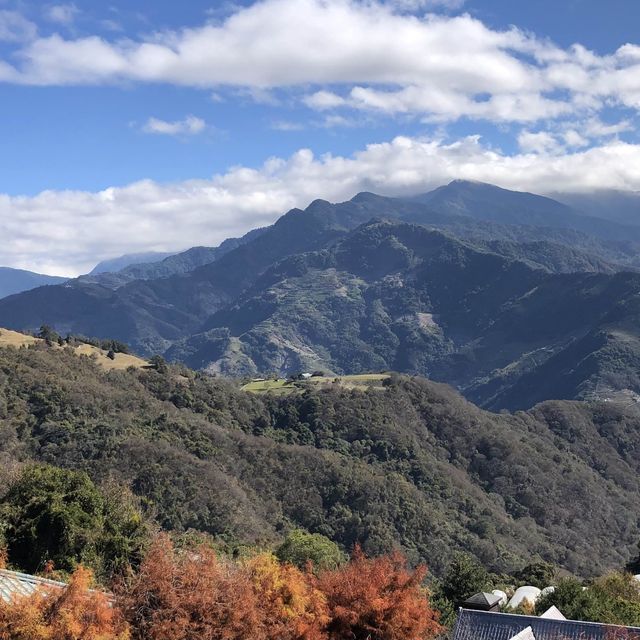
(511, 297)
(14, 281)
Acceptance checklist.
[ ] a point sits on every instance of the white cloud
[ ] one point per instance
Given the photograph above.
(595, 128)
(383, 58)
(287, 125)
(573, 138)
(191, 125)
(324, 100)
(541, 142)
(418, 5)
(336, 120)
(64, 14)
(375, 55)
(15, 28)
(150, 216)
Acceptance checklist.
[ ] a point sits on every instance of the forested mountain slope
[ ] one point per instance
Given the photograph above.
(411, 464)
(400, 297)
(453, 285)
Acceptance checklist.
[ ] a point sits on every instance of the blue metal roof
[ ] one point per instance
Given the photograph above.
(487, 625)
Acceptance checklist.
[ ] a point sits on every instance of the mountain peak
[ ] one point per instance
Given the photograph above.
(113, 265)
(463, 181)
(366, 196)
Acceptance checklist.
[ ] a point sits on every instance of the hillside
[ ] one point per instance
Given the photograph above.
(471, 285)
(99, 356)
(411, 464)
(18, 280)
(393, 296)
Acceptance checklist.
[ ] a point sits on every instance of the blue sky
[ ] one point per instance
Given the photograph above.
(189, 122)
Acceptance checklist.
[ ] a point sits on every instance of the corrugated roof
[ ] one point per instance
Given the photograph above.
(14, 584)
(487, 625)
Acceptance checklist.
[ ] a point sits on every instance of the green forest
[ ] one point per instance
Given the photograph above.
(96, 464)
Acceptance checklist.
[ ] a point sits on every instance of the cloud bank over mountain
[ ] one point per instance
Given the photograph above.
(502, 105)
(67, 232)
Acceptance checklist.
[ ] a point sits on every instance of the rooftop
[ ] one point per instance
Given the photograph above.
(14, 584)
(486, 625)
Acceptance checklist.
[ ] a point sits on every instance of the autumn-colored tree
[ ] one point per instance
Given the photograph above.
(378, 599)
(290, 606)
(189, 595)
(71, 613)
(622, 634)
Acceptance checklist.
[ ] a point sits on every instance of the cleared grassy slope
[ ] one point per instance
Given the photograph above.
(282, 386)
(120, 361)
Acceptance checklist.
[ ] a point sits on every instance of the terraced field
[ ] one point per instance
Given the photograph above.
(282, 386)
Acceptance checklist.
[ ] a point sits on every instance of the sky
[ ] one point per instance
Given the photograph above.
(155, 125)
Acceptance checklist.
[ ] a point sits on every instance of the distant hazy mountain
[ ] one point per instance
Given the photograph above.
(173, 264)
(17, 280)
(619, 206)
(488, 202)
(470, 284)
(117, 264)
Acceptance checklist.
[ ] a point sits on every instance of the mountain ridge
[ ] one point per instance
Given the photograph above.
(261, 305)
(14, 281)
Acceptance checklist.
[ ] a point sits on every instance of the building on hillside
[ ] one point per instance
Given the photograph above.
(524, 595)
(483, 602)
(489, 625)
(14, 584)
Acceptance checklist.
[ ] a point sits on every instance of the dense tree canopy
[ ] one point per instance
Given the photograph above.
(411, 464)
(74, 613)
(613, 598)
(464, 577)
(180, 595)
(300, 548)
(59, 517)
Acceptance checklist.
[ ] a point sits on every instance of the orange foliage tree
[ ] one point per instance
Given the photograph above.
(187, 596)
(290, 606)
(378, 599)
(71, 613)
(194, 595)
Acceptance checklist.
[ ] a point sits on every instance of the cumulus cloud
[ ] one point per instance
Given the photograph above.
(15, 28)
(151, 216)
(379, 55)
(417, 5)
(64, 14)
(190, 126)
(538, 142)
(324, 100)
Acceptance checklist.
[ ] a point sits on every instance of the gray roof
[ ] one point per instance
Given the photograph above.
(14, 584)
(487, 625)
(484, 599)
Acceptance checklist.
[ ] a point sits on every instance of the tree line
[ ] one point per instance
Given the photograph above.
(157, 585)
